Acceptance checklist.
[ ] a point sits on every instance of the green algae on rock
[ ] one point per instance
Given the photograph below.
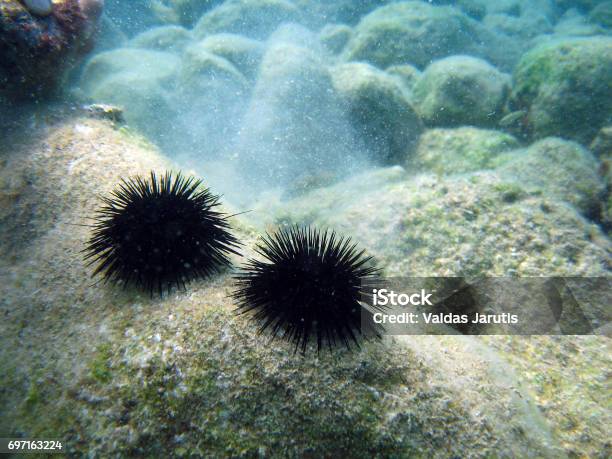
(116, 373)
(484, 225)
(417, 33)
(407, 74)
(564, 85)
(252, 18)
(460, 150)
(335, 37)
(243, 52)
(169, 38)
(560, 169)
(461, 90)
(379, 110)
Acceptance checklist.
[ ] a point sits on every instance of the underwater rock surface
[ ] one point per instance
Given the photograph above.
(379, 111)
(484, 225)
(253, 18)
(37, 50)
(147, 368)
(449, 85)
(165, 38)
(459, 150)
(565, 87)
(561, 169)
(417, 33)
(394, 122)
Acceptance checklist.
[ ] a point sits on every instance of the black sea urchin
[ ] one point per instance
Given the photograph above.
(309, 284)
(158, 233)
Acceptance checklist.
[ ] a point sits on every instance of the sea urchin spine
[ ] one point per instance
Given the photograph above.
(160, 233)
(309, 283)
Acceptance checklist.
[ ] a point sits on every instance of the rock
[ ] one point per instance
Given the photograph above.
(460, 150)
(142, 63)
(480, 224)
(575, 24)
(317, 12)
(295, 126)
(379, 111)
(252, 18)
(417, 33)
(335, 37)
(602, 15)
(461, 90)
(109, 357)
(582, 5)
(188, 12)
(210, 102)
(243, 52)
(134, 17)
(139, 81)
(40, 43)
(564, 86)
(560, 169)
(525, 27)
(407, 74)
(602, 148)
(295, 34)
(165, 38)
(602, 144)
(39, 7)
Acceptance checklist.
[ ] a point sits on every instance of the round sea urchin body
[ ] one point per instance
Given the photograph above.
(309, 284)
(158, 233)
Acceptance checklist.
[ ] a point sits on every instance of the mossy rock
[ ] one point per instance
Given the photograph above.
(380, 111)
(243, 52)
(565, 86)
(335, 37)
(252, 18)
(460, 90)
(169, 38)
(561, 169)
(464, 225)
(460, 150)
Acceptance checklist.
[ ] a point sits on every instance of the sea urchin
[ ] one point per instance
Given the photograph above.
(158, 233)
(310, 283)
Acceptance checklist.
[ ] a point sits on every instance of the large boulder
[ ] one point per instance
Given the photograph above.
(406, 73)
(523, 27)
(379, 111)
(294, 126)
(560, 169)
(316, 12)
(564, 86)
(417, 33)
(461, 90)
(184, 12)
(245, 53)
(210, 103)
(116, 373)
(460, 150)
(573, 24)
(169, 38)
(253, 18)
(335, 37)
(481, 224)
(602, 148)
(602, 15)
(141, 82)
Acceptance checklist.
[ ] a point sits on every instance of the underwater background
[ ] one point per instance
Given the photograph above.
(447, 138)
